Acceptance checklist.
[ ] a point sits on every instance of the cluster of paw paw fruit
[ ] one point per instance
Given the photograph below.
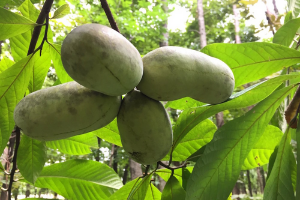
(105, 66)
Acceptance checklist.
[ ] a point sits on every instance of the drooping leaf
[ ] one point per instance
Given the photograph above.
(251, 95)
(55, 53)
(153, 193)
(185, 177)
(298, 160)
(173, 190)
(110, 133)
(199, 136)
(184, 103)
(12, 24)
(138, 192)
(293, 168)
(219, 167)
(76, 145)
(80, 179)
(287, 32)
(61, 11)
(253, 61)
(279, 184)
(195, 156)
(263, 149)
(5, 63)
(13, 85)
(32, 155)
(10, 2)
(294, 6)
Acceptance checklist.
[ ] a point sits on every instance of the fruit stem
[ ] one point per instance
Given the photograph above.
(109, 15)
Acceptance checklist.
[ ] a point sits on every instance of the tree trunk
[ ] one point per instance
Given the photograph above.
(27, 193)
(135, 169)
(0, 48)
(8, 156)
(111, 155)
(97, 156)
(260, 180)
(236, 24)
(165, 41)
(201, 24)
(125, 175)
(220, 119)
(249, 183)
(236, 190)
(115, 162)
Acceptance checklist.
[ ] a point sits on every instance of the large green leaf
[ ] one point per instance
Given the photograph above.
(253, 61)
(279, 184)
(20, 44)
(173, 190)
(80, 179)
(5, 63)
(294, 6)
(199, 136)
(55, 53)
(287, 32)
(263, 149)
(219, 167)
(251, 95)
(32, 155)
(7, 3)
(298, 161)
(76, 145)
(184, 103)
(12, 24)
(110, 133)
(13, 85)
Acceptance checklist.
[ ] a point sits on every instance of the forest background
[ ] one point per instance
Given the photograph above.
(145, 25)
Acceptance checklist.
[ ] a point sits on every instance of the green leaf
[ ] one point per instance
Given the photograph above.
(294, 6)
(199, 136)
(61, 11)
(138, 192)
(13, 85)
(5, 63)
(110, 133)
(32, 155)
(55, 53)
(251, 95)
(253, 61)
(166, 174)
(185, 177)
(76, 145)
(153, 193)
(286, 33)
(10, 2)
(184, 103)
(12, 24)
(263, 149)
(298, 161)
(80, 179)
(219, 167)
(279, 184)
(288, 17)
(173, 190)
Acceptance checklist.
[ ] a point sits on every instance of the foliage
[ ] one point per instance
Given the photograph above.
(217, 156)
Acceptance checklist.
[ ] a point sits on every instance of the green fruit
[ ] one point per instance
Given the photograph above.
(101, 59)
(145, 128)
(63, 111)
(172, 73)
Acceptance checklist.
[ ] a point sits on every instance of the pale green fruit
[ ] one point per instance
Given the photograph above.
(172, 73)
(101, 59)
(145, 128)
(63, 111)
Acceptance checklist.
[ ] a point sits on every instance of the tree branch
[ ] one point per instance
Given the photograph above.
(109, 15)
(37, 30)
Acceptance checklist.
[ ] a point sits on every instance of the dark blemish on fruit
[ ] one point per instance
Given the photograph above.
(72, 110)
